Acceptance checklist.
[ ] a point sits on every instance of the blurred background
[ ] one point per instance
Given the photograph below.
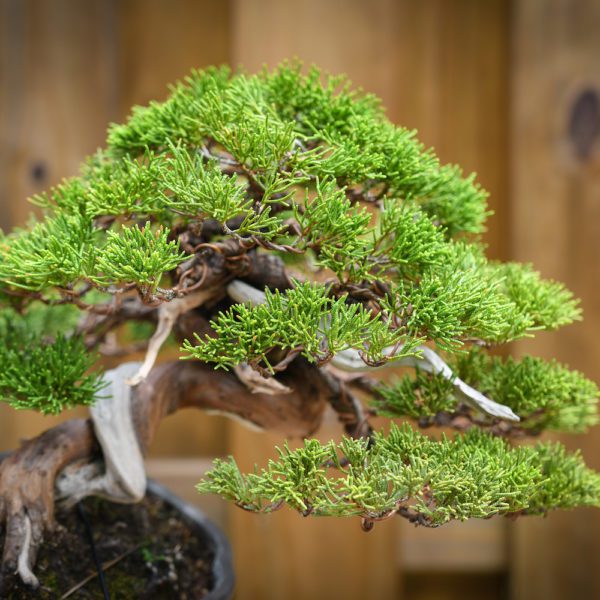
(509, 89)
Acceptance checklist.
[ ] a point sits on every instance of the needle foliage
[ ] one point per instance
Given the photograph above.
(382, 242)
(472, 476)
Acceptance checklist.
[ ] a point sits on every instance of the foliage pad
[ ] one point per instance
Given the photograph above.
(471, 476)
(361, 243)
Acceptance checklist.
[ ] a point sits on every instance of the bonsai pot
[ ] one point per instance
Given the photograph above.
(222, 565)
(198, 565)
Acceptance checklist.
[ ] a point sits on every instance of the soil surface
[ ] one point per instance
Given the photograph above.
(156, 555)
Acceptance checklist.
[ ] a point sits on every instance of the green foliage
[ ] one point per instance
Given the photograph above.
(272, 122)
(304, 319)
(240, 121)
(298, 163)
(408, 240)
(545, 394)
(548, 303)
(457, 300)
(54, 252)
(470, 476)
(290, 160)
(569, 483)
(140, 255)
(336, 231)
(176, 119)
(41, 320)
(457, 202)
(47, 374)
(316, 101)
(109, 187)
(202, 191)
(421, 396)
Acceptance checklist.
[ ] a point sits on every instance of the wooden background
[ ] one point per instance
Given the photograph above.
(507, 89)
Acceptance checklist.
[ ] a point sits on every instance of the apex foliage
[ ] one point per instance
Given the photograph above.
(376, 251)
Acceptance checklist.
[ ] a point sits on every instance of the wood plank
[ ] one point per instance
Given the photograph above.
(475, 546)
(305, 557)
(450, 586)
(450, 83)
(181, 475)
(441, 68)
(57, 94)
(69, 68)
(159, 42)
(323, 558)
(556, 224)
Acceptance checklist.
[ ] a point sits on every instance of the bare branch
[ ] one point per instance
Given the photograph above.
(167, 315)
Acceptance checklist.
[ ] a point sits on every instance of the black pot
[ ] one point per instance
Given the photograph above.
(224, 578)
(209, 533)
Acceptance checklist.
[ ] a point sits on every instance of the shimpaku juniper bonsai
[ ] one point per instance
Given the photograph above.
(295, 242)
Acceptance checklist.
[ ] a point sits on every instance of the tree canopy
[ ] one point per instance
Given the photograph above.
(381, 250)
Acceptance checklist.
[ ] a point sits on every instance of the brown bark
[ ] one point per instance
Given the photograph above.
(27, 480)
(27, 477)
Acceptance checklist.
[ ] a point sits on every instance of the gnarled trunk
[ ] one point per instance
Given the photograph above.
(71, 454)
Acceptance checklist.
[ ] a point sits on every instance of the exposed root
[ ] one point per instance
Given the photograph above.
(27, 556)
(27, 480)
(64, 464)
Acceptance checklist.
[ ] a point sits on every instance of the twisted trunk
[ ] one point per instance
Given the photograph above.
(28, 477)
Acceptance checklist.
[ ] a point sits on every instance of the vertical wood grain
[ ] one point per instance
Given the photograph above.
(295, 557)
(57, 94)
(556, 225)
(159, 42)
(441, 68)
(68, 69)
(450, 83)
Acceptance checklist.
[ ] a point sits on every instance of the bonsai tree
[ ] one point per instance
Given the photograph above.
(294, 242)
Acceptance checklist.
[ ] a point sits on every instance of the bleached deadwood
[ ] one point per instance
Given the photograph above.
(64, 463)
(168, 313)
(257, 383)
(125, 477)
(432, 362)
(242, 292)
(427, 360)
(26, 557)
(120, 476)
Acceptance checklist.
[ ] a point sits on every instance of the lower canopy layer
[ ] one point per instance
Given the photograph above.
(431, 482)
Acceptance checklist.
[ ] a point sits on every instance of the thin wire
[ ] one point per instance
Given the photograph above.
(90, 536)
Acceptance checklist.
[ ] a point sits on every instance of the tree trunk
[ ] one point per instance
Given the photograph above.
(29, 475)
